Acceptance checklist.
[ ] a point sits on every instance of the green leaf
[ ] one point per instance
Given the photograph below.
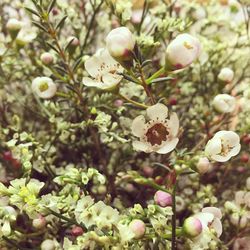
(61, 23)
(40, 26)
(147, 62)
(162, 79)
(77, 63)
(53, 47)
(51, 6)
(67, 46)
(32, 11)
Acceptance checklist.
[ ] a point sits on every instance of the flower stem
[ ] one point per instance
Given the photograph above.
(155, 75)
(173, 241)
(145, 86)
(140, 105)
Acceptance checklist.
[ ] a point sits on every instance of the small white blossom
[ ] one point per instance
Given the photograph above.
(103, 69)
(159, 134)
(226, 75)
(120, 42)
(210, 218)
(14, 25)
(182, 51)
(224, 103)
(223, 146)
(44, 87)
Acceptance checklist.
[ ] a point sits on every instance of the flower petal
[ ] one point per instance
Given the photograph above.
(93, 65)
(205, 218)
(142, 146)
(213, 210)
(91, 83)
(221, 158)
(157, 111)
(173, 124)
(111, 79)
(217, 226)
(235, 150)
(213, 146)
(138, 126)
(168, 147)
(239, 197)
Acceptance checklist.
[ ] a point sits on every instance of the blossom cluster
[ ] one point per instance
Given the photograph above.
(124, 124)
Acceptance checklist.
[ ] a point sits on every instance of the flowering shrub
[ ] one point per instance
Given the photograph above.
(124, 124)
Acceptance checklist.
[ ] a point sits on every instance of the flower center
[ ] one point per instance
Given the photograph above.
(43, 86)
(156, 134)
(187, 45)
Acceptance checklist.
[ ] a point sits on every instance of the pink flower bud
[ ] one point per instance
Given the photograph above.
(182, 51)
(76, 231)
(39, 223)
(120, 42)
(138, 228)
(75, 42)
(163, 199)
(47, 58)
(192, 227)
(203, 165)
(118, 103)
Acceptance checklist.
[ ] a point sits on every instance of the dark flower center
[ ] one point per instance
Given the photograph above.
(156, 134)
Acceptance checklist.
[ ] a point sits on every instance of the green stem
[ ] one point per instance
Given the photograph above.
(173, 241)
(71, 221)
(140, 105)
(144, 181)
(155, 75)
(61, 94)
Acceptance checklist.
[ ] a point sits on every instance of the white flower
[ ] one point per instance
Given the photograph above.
(226, 75)
(210, 217)
(14, 25)
(44, 87)
(182, 51)
(224, 103)
(104, 69)
(159, 134)
(25, 36)
(120, 42)
(223, 146)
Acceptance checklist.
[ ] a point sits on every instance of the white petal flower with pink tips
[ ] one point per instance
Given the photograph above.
(210, 218)
(103, 69)
(182, 51)
(159, 134)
